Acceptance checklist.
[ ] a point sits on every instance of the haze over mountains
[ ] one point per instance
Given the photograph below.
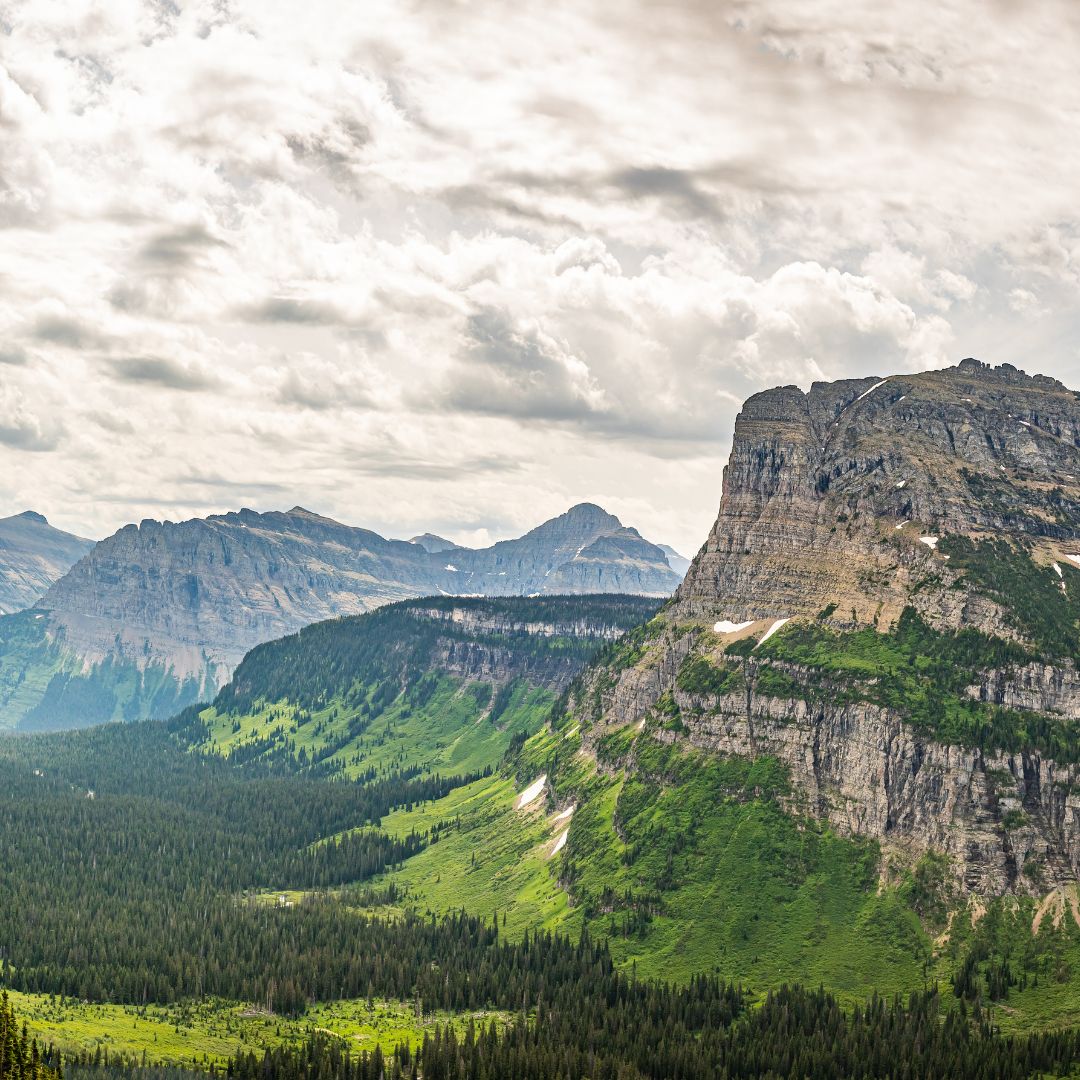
(159, 614)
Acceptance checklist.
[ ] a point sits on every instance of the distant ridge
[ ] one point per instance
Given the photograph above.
(162, 612)
(32, 556)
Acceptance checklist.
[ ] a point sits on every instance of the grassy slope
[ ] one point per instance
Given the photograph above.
(690, 864)
(211, 1032)
(450, 733)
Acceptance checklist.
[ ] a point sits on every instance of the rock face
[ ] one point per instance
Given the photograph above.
(827, 495)
(832, 507)
(33, 555)
(189, 599)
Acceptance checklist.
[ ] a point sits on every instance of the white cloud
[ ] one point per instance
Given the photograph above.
(455, 267)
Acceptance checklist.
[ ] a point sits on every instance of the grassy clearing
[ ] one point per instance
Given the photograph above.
(209, 1033)
(494, 858)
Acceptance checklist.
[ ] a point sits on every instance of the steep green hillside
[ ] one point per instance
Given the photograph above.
(439, 684)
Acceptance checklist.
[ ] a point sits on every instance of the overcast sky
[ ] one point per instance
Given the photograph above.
(457, 266)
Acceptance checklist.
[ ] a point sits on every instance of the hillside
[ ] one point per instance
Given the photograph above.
(159, 614)
(33, 555)
(436, 684)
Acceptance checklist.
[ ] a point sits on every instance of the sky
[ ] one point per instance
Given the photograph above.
(454, 267)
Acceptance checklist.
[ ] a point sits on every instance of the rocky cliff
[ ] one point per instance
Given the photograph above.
(33, 555)
(839, 495)
(888, 605)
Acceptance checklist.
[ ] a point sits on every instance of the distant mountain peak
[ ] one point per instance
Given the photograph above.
(587, 511)
(432, 543)
(34, 516)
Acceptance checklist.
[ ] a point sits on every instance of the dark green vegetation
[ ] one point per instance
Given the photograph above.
(921, 673)
(368, 659)
(46, 686)
(637, 1031)
(1038, 607)
(20, 1056)
(122, 856)
(406, 871)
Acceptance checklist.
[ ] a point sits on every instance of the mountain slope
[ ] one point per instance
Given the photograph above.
(432, 684)
(33, 555)
(185, 601)
(906, 545)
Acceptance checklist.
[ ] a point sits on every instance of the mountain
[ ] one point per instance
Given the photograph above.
(910, 547)
(159, 614)
(679, 563)
(848, 751)
(33, 555)
(433, 544)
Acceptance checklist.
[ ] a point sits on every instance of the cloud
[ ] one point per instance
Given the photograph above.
(24, 429)
(158, 371)
(286, 309)
(67, 331)
(519, 370)
(415, 266)
(13, 355)
(176, 248)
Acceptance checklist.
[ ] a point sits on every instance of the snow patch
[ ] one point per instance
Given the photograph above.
(772, 630)
(899, 399)
(1057, 569)
(1073, 558)
(451, 567)
(726, 626)
(901, 484)
(531, 792)
(562, 815)
(560, 843)
(903, 523)
(572, 732)
(929, 541)
(871, 390)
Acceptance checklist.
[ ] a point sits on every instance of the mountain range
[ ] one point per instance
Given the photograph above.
(157, 615)
(845, 753)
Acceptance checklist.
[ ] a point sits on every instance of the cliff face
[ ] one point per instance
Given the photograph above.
(32, 556)
(842, 508)
(827, 495)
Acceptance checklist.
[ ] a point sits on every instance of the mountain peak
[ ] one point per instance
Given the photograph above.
(587, 511)
(34, 516)
(433, 543)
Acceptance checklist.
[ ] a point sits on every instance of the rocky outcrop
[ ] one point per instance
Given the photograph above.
(1007, 822)
(33, 555)
(827, 494)
(1044, 688)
